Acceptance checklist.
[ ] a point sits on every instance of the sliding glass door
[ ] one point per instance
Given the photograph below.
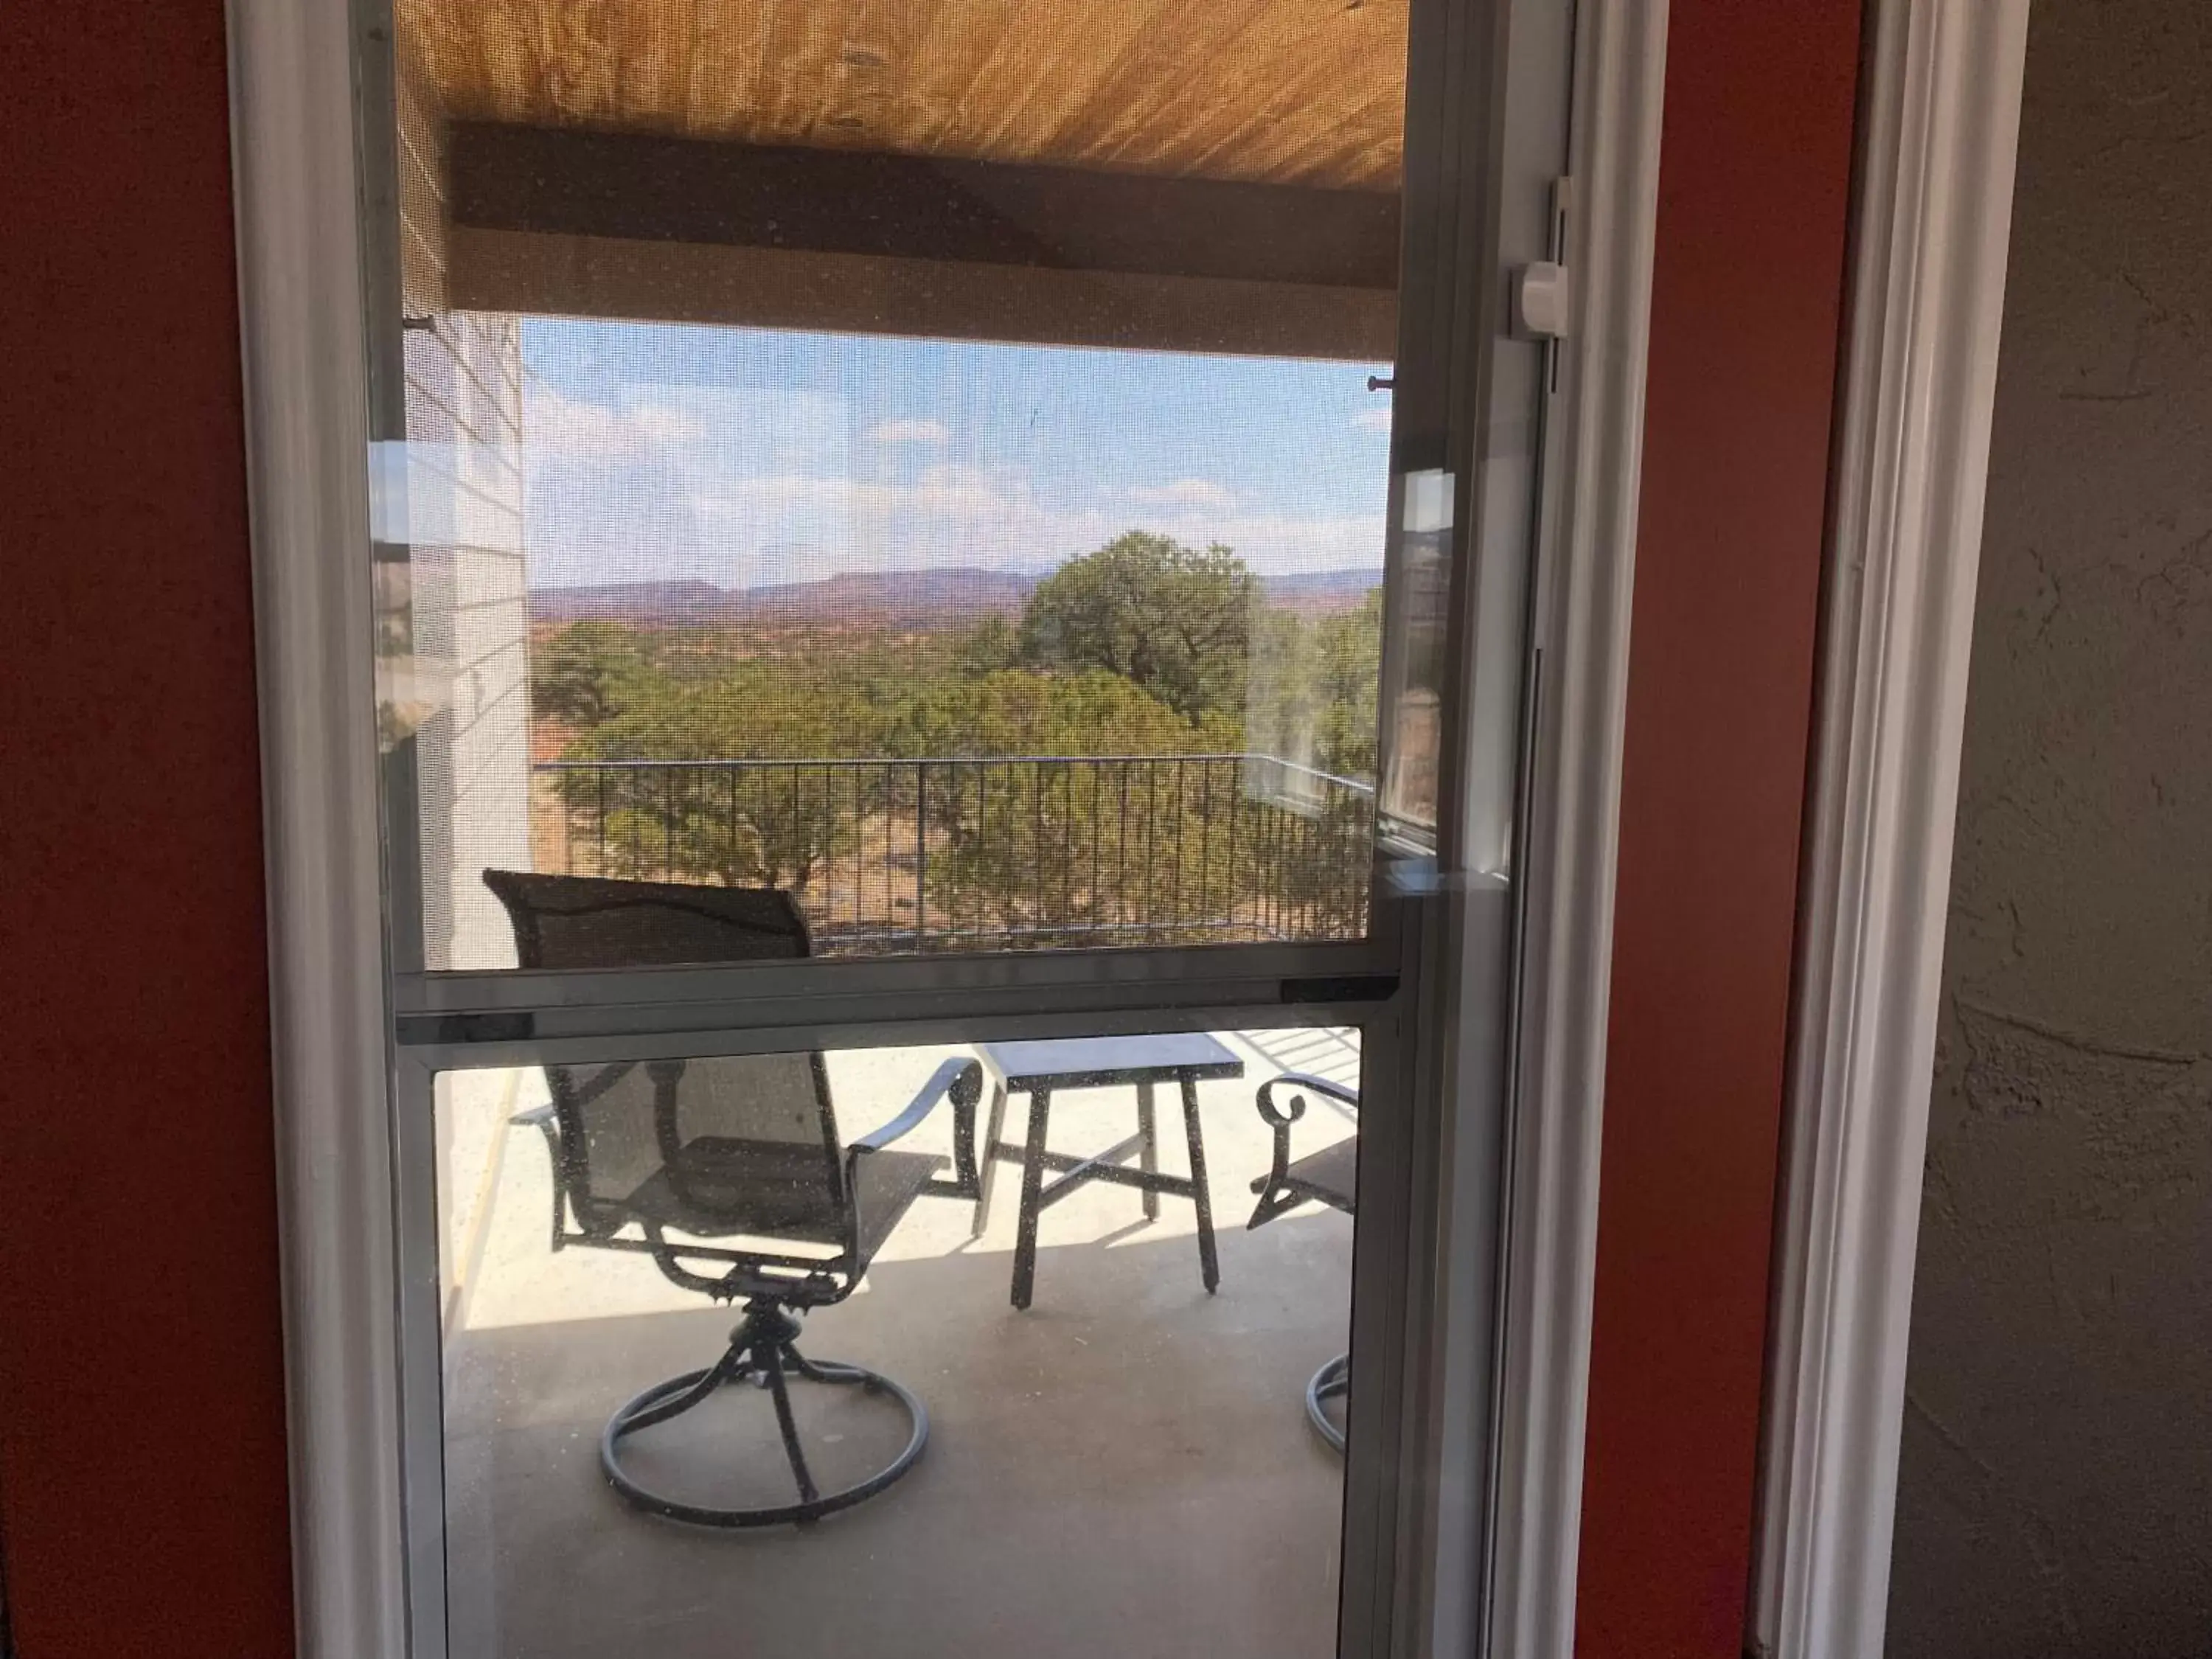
(952, 591)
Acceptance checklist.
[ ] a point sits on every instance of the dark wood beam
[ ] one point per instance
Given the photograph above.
(637, 188)
(561, 275)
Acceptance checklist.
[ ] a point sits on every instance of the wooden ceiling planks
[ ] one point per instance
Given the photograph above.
(1307, 92)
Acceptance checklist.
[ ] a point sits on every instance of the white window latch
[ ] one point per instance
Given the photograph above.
(1542, 298)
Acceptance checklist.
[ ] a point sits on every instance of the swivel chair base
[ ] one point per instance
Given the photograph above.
(1332, 1381)
(764, 1349)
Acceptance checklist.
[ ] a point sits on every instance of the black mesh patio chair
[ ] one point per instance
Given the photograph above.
(1329, 1176)
(728, 1172)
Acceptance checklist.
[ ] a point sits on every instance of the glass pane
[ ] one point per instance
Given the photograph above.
(922, 460)
(1132, 1464)
(1419, 585)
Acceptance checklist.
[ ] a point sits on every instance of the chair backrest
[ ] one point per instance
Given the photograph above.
(769, 1115)
(742, 1144)
(590, 921)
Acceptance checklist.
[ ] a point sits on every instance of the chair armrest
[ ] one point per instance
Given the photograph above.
(960, 1078)
(1274, 1193)
(1306, 1080)
(878, 1192)
(546, 1121)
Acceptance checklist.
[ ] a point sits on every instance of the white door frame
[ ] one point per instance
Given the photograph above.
(308, 484)
(1938, 126)
(1549, 1269)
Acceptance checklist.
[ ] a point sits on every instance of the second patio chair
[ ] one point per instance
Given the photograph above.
(1329, 1176)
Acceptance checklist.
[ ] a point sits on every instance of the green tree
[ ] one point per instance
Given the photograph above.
(741, 734)
(991, 644)
(1019, 711)
(1044, 849)
(1312, 694)
(585, 672)
(1312, 713)
(769, 825)
(1172, 619)
(1349, 648)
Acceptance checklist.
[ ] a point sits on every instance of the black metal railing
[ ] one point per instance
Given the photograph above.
(1007, 852)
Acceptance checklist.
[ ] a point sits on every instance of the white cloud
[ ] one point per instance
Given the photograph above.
(1278, 545)
(743, 486)
(908, 432)
(574, 426)
(1373, 420)
(1191, 493)
(951, 475)
(950, 515)
(964, 516)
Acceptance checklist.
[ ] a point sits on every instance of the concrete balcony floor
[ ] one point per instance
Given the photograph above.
(1124, 1469)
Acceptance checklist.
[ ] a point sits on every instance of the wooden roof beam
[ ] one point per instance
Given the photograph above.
(637, 225)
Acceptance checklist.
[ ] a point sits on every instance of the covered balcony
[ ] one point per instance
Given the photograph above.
(1127, 1466)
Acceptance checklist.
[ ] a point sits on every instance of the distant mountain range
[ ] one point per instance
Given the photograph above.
(907, 598)
(1317, 591)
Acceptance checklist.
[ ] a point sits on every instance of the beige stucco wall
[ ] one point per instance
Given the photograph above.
(2055, 1492)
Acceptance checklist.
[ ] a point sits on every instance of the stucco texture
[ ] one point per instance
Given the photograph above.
(2056, 1491)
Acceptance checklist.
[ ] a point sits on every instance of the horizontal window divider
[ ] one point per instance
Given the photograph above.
(1175, 974)
(569, 1038)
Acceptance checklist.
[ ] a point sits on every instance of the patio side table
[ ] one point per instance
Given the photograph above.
(1038, 1069)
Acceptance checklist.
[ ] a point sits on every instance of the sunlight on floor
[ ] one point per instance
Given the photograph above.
(510, 1277)
(1125, 1468)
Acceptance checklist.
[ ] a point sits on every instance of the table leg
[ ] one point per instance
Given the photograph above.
(1209, 1264)
(1026, 1235)
(1148, 1126)
(987, 1171)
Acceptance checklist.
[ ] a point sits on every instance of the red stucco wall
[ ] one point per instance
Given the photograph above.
(141, 1404)
(1747, 285)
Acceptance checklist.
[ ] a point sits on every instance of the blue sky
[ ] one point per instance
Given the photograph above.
(744, 457)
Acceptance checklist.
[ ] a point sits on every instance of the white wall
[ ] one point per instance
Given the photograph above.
(471, 614)
(470, 624)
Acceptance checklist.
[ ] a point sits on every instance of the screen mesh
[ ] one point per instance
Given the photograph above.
(926, 461)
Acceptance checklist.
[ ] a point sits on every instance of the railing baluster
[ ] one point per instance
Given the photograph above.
(921, 855)
(567, 825)
(1181, 821)
(1151, 842)
(1293, 862)
(1122, 849)
(1095, 840)
(1204, 841)
(1275, 868)
(1302, 868)
(1236, 803)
